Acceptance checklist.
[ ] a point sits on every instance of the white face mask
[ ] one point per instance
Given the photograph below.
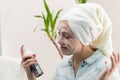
(67, 41)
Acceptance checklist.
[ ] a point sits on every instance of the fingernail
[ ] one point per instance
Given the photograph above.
(105, 62)
(34, 55)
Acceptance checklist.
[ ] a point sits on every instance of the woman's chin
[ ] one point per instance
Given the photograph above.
(66, 53)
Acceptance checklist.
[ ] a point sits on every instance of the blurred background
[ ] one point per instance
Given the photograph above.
(17, 22)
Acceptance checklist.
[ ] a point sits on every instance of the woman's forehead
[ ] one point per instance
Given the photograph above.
(63, 25)
(63, 28)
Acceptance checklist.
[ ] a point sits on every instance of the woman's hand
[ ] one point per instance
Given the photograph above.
(106, 74)
(27, 61)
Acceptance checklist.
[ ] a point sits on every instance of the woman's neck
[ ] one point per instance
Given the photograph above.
(81, 56)
(85, 52)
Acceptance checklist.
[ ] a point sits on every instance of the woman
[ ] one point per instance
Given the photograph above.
(84, 32)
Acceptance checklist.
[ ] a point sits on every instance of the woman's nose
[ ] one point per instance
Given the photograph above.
(60, 41)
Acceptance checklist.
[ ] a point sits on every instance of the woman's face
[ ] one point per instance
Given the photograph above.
(67, 41)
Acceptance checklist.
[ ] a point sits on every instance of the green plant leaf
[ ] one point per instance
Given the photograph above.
(44, 19)
(49, 16)
(56, 17)
(81, 1)
(38, 16)
(55, 36)
(47, 9)
(47, 23)
(34, 29)
(54, 22)
(45, 30)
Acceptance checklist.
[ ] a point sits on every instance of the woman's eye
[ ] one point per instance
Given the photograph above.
(67, 36)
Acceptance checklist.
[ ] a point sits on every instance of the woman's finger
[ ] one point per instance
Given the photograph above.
(29, 64)
(21, 50)
(25, 57)
(34, 55)
(104, 75)
(115, 61)
(115, 57)
(112, 60)
(28, 61)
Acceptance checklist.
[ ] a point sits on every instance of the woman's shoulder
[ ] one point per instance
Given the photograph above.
(103, 62)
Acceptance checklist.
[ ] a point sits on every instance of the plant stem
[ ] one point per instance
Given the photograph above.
(60, 53)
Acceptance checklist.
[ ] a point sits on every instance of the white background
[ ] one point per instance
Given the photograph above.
(17, 22)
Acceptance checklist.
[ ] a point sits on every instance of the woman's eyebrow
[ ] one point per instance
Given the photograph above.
(68, 33)
(63, 30)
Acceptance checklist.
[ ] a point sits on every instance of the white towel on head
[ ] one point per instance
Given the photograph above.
(91, 26)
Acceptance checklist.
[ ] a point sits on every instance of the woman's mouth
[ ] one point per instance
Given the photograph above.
(63, 48)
